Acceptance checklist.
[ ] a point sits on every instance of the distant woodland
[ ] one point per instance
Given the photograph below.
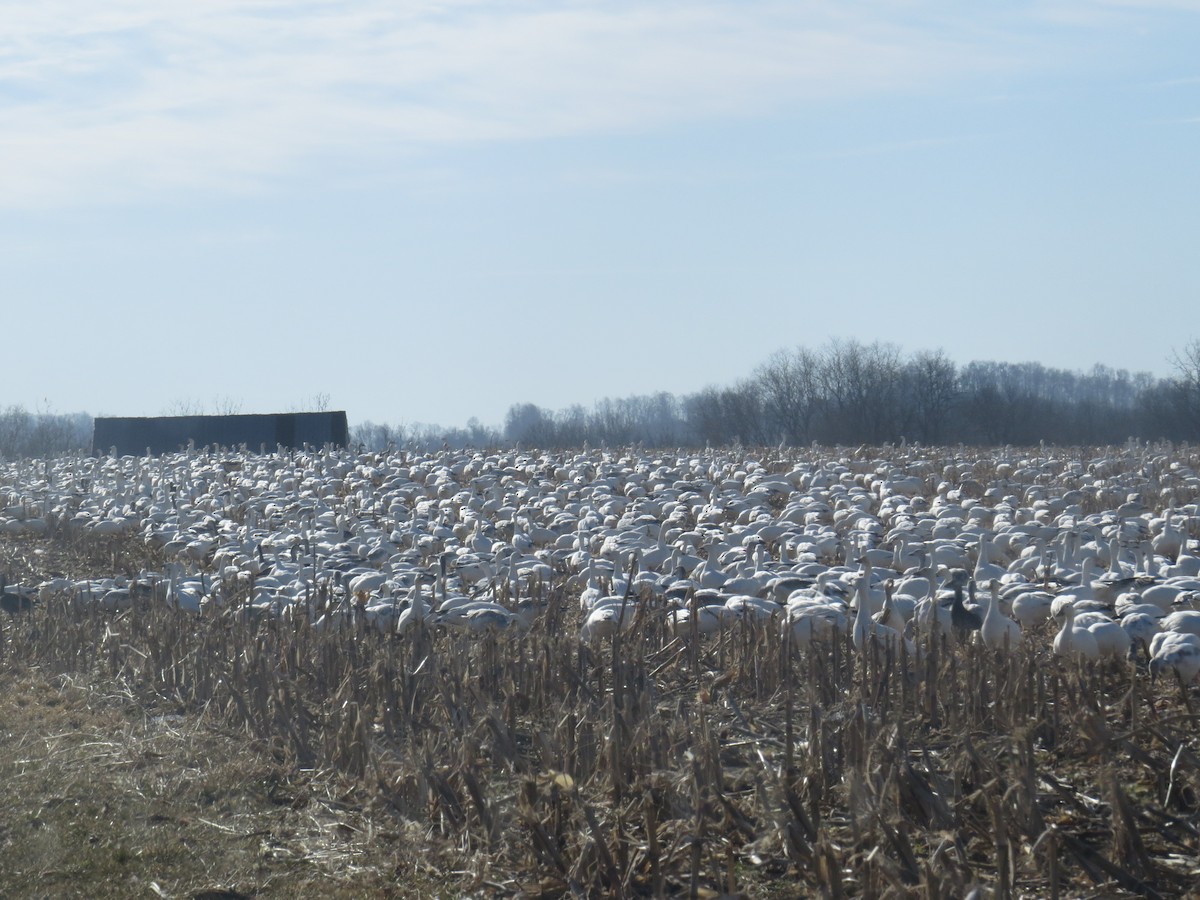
(845, 392)
(854, 393)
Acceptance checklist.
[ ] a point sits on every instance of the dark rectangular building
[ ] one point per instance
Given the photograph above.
(168, 434)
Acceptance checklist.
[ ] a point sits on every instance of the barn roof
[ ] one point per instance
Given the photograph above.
(167, 434)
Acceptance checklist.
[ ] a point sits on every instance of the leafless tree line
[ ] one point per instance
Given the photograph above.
(845, 392)
(848, 392)
(27, 434)
(421, 435)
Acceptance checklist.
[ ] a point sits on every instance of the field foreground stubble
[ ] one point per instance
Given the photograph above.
(107, 797)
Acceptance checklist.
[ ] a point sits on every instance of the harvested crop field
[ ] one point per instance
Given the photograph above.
(107, 797)
(599, 674)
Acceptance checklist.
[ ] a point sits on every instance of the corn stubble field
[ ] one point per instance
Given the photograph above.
(154, 753)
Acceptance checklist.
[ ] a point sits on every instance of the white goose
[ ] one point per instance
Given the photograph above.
(1072, 642)
(998, 631)
(866, 629)
(1179, 653)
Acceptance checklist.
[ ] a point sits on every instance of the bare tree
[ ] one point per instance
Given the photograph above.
(226, 406)
(862, 386)
(729, 415)
(790, 386)
(571, 425)
(1187, 364)
(376, 437)
(24, 434)
(526, 423)
(184, 406)
(932, 391)
(315, 403)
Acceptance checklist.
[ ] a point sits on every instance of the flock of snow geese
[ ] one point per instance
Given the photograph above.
(1092, 554)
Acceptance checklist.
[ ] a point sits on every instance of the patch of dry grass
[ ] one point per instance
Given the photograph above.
(107, 798)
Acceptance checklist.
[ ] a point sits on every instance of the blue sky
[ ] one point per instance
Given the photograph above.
(426, 212)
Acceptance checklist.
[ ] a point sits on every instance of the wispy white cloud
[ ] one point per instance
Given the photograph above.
(1122, 18)
(1168, 5)
(131, 98)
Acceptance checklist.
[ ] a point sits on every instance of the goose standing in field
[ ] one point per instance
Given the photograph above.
(915, 584)
(889, 614)
(184, 595)
(1073, 642)
(1082, 595)
(1118, 578)
(1186, 563)
(985, 569)
(997, 630)
(931, 617)
(1063, 565)
(1180, 653)
(866, 629)
(592, 591)
(1141, 628)
(621, 582)
(415, 614)
(1169, 541)
(964, 621)
(659, 553)
(13, 601)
